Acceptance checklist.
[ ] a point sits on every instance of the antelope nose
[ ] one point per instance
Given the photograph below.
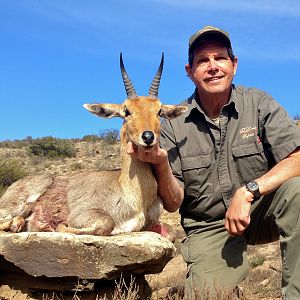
(148, 137)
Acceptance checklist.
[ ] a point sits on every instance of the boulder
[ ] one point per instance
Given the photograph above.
(54, 254)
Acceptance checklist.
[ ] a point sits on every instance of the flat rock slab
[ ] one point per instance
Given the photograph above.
(55, 254)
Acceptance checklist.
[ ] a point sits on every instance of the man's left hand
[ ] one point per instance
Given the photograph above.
(237, 217)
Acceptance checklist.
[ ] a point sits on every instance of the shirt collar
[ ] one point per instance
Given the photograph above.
(193, 101)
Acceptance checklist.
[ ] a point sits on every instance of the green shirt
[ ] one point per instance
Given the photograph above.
(212, 160)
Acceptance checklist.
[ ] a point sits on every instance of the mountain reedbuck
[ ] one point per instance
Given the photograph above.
(98, 203)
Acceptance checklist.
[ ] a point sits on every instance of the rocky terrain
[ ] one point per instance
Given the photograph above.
(263, 281)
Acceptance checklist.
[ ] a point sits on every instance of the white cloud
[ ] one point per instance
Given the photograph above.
(276, 7)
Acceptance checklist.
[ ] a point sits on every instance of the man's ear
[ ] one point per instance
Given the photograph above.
(235, 65)
(188, 70)
(105, 110)
(172, 111)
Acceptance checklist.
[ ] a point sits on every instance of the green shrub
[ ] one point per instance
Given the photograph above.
(16, 144)
(52, 147)
(110, 136)
(256, 261)
(91, 138)
(297, 117)
(76, 166)
(10, 172)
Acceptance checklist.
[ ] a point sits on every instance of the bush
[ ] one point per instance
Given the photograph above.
(297, 117)
(91, 138)
(76, 166)
(9, 173)
(16, 144)
(52, 148)
(256, 261)
(110, 136)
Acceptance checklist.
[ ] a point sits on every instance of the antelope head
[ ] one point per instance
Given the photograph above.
(141, 114)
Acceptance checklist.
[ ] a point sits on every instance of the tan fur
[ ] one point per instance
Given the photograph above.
(100, 203)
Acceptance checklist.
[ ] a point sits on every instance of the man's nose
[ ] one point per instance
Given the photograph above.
(213, 65)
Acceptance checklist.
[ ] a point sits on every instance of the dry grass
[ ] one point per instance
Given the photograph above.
(89, 156)
(263, 281)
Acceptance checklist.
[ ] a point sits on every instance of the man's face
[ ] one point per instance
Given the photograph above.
(212, 70)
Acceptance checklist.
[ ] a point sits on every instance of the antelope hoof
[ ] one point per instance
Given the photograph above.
(165, 230)
(5, 226)
(17, 224)
(62, 228)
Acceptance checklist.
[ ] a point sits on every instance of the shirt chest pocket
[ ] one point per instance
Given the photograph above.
(250, 162)
(196, 172)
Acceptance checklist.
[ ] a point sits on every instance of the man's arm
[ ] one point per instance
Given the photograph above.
(168, 188)
(237, 217)
(281, 172)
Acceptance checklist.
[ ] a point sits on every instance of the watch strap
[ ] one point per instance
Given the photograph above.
(253, 188)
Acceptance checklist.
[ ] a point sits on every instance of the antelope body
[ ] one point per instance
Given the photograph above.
(99, 203)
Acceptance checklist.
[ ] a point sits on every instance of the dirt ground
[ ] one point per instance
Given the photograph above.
(262, 282)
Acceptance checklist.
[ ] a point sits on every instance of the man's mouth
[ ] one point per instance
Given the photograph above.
(214, 78)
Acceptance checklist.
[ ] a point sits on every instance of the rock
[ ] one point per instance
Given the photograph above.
(173, 274)
(55, 254)
(265, 282)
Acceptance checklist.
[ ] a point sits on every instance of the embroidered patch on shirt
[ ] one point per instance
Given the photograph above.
(247, 132)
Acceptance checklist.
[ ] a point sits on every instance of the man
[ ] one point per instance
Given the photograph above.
(232, 166)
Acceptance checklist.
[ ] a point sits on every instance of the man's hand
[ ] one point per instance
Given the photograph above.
(156, 156)
(237, 217)
(169, 190)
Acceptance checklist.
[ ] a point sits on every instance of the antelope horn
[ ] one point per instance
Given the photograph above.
(153, 91)
(130, 91)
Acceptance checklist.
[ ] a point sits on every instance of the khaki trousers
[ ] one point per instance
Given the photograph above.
(215, 260)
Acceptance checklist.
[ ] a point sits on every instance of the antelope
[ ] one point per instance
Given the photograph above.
(98, 202)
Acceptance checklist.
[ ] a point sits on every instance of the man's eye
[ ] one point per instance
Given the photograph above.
(202, 61)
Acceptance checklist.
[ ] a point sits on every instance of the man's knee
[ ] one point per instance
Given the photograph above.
(217, 260)
(291, 186)
(287, 211)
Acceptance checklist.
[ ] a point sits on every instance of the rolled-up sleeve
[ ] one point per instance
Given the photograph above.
(280, 132)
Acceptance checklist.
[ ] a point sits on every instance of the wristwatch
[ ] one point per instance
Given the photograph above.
(253, 188)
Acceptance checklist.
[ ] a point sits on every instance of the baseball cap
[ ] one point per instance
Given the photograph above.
(209, 30)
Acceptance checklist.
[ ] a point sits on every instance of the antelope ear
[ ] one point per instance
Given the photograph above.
(172, 111)
(105, 110)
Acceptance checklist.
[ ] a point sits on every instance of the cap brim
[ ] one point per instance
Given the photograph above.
(207, 33)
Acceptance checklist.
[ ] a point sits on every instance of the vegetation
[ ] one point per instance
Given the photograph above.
(91, 138)
(16, 144)
(52, 147)
(49, 144)
(297, 117)
(110, 136)
(9, 173)
(100, 152)
(124, 290)
(256, 261)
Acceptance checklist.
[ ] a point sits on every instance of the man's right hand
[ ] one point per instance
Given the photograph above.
(169, 190)
(156, 156)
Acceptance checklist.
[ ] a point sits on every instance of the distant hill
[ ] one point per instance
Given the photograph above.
(57, 156)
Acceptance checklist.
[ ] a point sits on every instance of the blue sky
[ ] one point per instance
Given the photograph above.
(57, 55)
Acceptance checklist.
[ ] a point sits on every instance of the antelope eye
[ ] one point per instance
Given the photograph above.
(126, 111)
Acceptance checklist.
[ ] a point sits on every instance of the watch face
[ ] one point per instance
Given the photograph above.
(252, 186)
